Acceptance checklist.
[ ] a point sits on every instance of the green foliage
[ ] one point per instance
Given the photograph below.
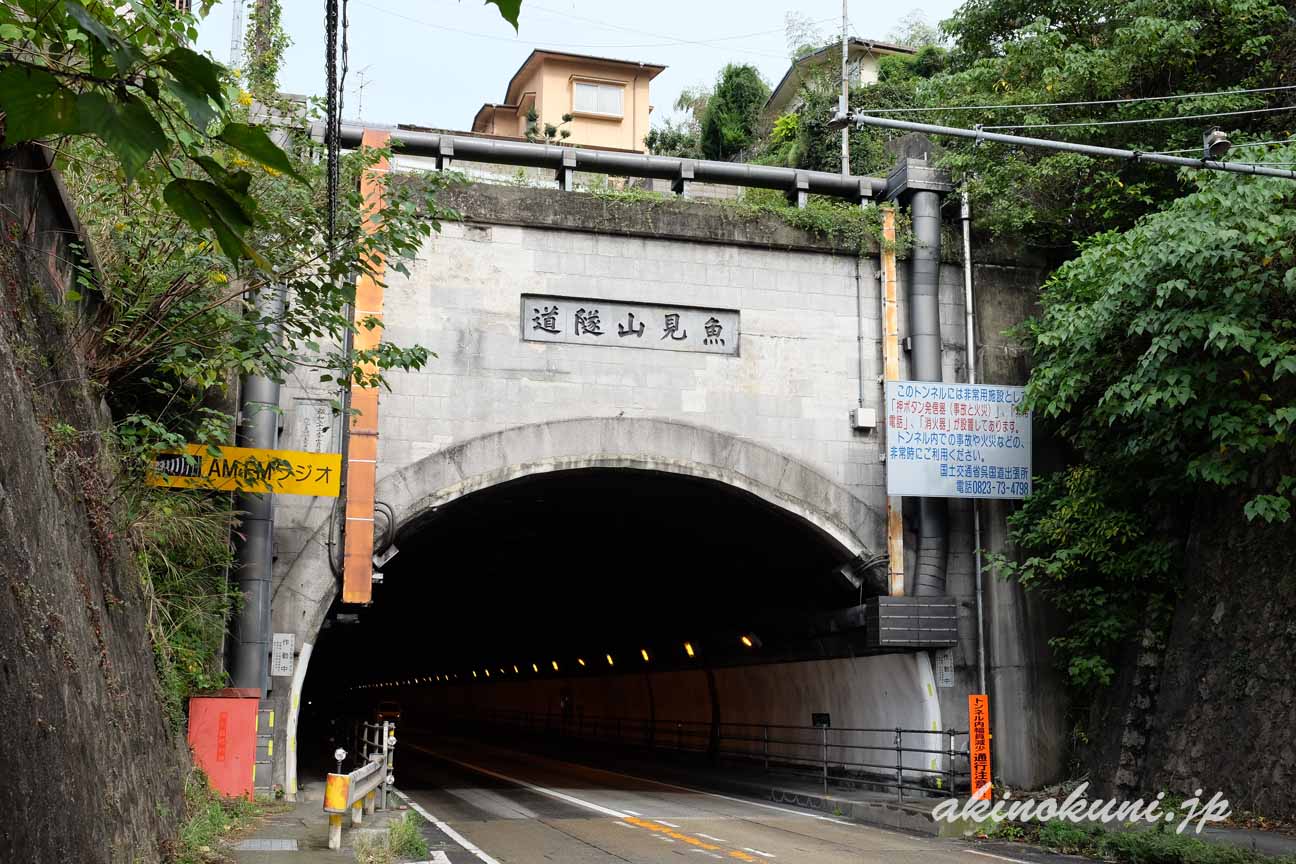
(267, 40)
(674, 139)
(403, 840)
(1089, 544)
(76, 70)
(538, 132)
(181, 545)
(1037, 51)
(1150, 845)
(729, 124)
(1169, 350)
(406, 836)
(1165, 356)
(208, 817)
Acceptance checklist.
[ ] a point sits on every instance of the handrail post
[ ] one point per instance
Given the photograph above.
(950, 756)
(382, 786)
(899, 765)
(823, 740)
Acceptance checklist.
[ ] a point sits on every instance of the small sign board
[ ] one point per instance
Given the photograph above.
(821, 721)
(979, 745)
(247, 469)
(281, 654)
(943, 667)
(957, 440)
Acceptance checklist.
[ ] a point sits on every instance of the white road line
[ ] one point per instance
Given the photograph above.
(706, 853)
(709, 837)
(446, 829)
(996, 857)
(623, 824)
(552, 793)
(759, 852)
(731, 798)
(438, 857)
(633, 813)
(663, 839)
(664, 822)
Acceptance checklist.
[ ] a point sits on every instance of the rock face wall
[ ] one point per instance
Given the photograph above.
(1211, 704)
(94, 772)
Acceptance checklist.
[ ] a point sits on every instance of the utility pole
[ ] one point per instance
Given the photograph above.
(843, 104)
(236, 36)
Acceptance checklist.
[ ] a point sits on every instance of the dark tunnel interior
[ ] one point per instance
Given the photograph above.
(578, 565)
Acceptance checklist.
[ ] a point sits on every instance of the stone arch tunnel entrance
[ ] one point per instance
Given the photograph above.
(666, 581)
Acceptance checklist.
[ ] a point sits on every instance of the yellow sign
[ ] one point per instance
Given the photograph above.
(286, 472)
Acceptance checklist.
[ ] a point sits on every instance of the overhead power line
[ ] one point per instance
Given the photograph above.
(1136, 121)
(980, 134)
(674, 42)
(1082, 104)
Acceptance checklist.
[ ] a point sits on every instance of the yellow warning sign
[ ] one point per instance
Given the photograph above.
(247, 469)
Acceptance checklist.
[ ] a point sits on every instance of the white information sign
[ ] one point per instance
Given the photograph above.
(281, 654)
(943, 667)
(957, 440)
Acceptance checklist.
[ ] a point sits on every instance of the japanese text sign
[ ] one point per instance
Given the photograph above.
(584, 321)
(979, 744)
(287, 472)
(957, 440)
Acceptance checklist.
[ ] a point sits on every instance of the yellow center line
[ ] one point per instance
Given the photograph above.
(691, 840)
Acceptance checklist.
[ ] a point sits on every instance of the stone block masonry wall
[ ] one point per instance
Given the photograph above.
(93, 770)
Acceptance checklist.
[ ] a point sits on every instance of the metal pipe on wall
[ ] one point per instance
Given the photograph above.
(924, 329)
(526, 154)
(969, 318)
(254, 543)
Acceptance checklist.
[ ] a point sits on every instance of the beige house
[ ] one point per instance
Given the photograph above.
(607, 99)
(861, 66)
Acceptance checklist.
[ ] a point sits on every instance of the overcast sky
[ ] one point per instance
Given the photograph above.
(434, 62)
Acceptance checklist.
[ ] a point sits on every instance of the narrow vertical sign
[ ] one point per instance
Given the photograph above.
(281, 654)
(979, 744)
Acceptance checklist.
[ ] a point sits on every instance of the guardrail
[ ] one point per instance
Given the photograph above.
(359, 790)
(919, 761)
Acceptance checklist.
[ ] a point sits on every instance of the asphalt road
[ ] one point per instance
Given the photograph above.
(494, 805)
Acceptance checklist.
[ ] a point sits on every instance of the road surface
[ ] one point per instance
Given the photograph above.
(495, 805)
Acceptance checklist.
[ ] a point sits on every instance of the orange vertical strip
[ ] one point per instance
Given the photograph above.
(362, 432)
(891, 372)
(979, 745)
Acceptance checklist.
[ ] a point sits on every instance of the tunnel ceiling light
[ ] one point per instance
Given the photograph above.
(643, 652)
(580, 660)
(502, 672)
(515, 669)
(474, 673)
(555, 664)
(535, 668)
(688, 649)
(487, 673)
(746, 640)
(609, 659)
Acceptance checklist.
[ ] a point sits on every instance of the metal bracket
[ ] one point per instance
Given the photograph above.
(682, 179)
(445, 152)
(566, 173)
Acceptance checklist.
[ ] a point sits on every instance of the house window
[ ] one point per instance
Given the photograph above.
(591, 98)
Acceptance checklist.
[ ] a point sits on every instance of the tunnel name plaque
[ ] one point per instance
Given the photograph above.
(621, 324)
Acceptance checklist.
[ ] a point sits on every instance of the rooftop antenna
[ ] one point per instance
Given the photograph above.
(360, 88)
(236, 36)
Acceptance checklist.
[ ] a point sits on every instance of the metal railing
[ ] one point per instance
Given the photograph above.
(365, 789)
(565, 161)
(919, 761)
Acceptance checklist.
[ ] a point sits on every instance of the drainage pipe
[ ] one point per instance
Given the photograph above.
(253, 547)
(969, 318)
(924, 329)
(526, 154)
